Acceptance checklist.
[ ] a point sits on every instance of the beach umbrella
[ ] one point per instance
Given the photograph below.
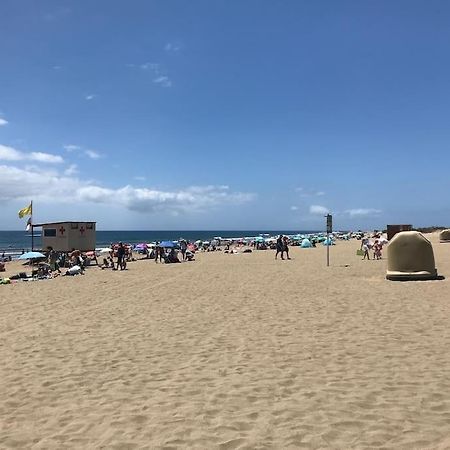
(168, 244)
(32, 255)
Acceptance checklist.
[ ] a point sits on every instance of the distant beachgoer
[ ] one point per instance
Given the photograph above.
(183, 248)
(377, 247)
(286, 246)
(53, 259)
(280, 247)
(365, 249)
(121, 256)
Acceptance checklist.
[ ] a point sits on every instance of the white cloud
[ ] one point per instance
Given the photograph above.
(51, 187)
(294, 208)
(57, 67)
(12, 154)
(3, 122)
(92, 154)
(139, 178)
(71, 148)
(363, 212)
(71, 170)
(318, 210)
(89, 97)
(45, 157)
(163, 81)
(196, 198)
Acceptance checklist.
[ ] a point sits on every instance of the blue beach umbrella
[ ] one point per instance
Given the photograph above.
(168, 244)
(32, 255)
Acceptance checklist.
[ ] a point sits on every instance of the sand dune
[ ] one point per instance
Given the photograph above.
(230, 351)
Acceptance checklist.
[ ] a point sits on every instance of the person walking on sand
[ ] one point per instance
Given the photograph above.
(280, 247)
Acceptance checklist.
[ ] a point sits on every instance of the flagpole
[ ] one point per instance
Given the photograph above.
(32, 228)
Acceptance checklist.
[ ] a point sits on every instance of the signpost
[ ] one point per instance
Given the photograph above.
(329, 230)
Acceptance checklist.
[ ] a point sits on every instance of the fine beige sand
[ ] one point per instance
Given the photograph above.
(229, 351)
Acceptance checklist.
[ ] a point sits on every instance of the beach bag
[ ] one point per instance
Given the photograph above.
(359, 252)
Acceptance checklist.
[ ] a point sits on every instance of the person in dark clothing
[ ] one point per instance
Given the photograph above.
(280, 247)
(121, 256)
(286, 246)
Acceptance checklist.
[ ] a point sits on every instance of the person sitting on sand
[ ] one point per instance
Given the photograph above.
(172, 256)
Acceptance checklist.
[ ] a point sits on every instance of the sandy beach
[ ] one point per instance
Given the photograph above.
(229, 351)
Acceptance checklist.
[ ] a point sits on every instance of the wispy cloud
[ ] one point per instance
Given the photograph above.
(154, 67)
(318, 210)
(57, 67)
(294, 208)
(159, 74)
(3, 122)
(139, 178)
(172, 47)
(363, 212)
(89, 97)
(92, 154)
(71, 170)
(163, 81)
(12, 154)
(71, 148)
(304, 192)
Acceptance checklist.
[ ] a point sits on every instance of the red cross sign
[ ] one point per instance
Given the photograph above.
(62, 230)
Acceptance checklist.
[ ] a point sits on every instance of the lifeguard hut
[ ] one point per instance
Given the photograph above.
(65, 236)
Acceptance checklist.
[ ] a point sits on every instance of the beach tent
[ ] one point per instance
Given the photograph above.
(410, 257)
(328, 241)
(444, 236)
(306, 243)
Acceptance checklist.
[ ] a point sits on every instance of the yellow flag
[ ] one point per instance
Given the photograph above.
(27, 211)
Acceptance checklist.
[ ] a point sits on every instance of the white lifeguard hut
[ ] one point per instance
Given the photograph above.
(65, 236)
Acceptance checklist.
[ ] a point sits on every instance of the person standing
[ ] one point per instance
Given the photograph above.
(286, 246)
(120, 256)
(183, 248)
(365, 249)
(280, 247)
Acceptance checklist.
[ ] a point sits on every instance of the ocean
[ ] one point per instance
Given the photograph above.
(19, 240)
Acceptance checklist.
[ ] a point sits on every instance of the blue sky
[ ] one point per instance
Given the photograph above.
(225, 114)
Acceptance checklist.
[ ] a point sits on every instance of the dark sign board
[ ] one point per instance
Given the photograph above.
(329, 223)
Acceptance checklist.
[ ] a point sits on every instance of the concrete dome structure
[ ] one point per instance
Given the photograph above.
(410, 257)
(444, 236)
